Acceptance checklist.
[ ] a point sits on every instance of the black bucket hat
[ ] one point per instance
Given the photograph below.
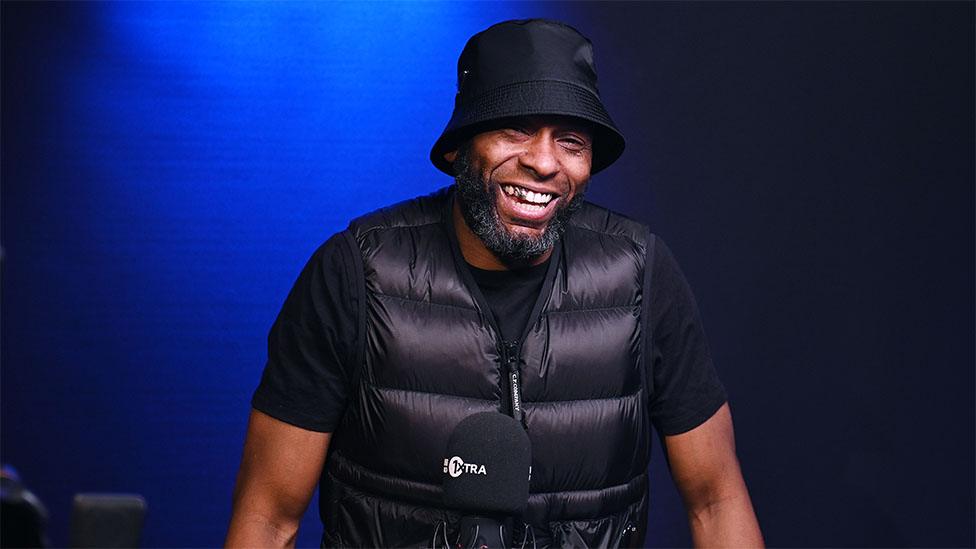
(527, 67)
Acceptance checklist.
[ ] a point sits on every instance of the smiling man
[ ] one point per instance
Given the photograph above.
(420, 314)
(514, 205)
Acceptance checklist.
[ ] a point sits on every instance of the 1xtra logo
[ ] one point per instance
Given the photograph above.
(457, 467)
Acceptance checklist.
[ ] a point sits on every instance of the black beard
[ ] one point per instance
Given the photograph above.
(480, 212)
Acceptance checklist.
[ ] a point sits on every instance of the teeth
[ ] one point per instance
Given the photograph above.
(528, 196)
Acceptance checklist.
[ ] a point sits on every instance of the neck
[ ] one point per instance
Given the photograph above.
(478, 255)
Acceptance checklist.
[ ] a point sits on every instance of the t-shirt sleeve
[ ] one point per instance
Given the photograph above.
(685, 389)
(311, 346)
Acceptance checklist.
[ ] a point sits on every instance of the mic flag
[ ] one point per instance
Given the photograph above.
(487, 465)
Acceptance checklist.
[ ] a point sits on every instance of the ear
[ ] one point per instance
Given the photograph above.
(450, 156)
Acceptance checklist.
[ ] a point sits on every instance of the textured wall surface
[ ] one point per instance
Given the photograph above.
(167, 168)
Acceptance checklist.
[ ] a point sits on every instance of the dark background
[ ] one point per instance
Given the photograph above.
(168, 168)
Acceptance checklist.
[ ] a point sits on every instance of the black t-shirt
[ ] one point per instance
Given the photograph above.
(312, 347)
(511, 296)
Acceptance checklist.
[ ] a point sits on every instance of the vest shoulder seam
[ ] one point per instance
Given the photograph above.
(389, 217)
(624, 236)
(379, 227)
(593, 216)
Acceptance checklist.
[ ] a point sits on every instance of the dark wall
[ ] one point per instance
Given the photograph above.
(167, 169)
(812, 167)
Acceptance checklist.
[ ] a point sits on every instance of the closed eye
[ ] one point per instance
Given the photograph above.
(574, 143)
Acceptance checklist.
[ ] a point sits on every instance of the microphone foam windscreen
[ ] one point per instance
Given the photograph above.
(486, 465)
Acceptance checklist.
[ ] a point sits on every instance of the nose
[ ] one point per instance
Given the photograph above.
(539, 157)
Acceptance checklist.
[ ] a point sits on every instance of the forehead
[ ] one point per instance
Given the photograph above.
(557, 122)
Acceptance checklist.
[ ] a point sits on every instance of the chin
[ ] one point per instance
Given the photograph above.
(523, 232)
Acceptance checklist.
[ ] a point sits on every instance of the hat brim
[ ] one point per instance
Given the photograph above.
(538, 97)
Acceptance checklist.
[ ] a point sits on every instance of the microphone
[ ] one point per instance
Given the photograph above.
(487, 468)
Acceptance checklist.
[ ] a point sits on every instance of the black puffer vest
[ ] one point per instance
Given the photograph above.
(432, 356)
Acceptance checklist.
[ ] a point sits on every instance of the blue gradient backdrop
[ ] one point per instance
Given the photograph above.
(169, 167)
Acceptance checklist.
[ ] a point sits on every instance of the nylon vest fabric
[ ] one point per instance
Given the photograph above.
(431, 357)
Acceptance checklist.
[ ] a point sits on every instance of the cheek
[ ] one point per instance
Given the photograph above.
(481, 169)
(579, 177)
(501, 169)
(577, 169)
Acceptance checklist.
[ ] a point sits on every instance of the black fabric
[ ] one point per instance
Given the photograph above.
(511, 295)
(312, 343)
(433, 357)
(685, 389)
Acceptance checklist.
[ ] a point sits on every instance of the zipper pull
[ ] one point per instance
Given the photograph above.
(511, 354)
(514, 379)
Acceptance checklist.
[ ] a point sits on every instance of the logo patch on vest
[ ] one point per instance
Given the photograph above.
(457, 467)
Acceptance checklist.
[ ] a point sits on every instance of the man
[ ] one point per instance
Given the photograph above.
(417, 316)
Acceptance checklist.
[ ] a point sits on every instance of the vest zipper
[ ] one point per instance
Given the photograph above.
(507, 351)
(511, 351)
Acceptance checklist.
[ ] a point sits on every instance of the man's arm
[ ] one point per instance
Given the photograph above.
(706, 471)
(279, 471)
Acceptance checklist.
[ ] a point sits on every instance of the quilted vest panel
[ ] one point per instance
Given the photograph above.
(432, 358)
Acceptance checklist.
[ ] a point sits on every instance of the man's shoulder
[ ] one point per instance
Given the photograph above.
(595, 218)
(422, 210)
